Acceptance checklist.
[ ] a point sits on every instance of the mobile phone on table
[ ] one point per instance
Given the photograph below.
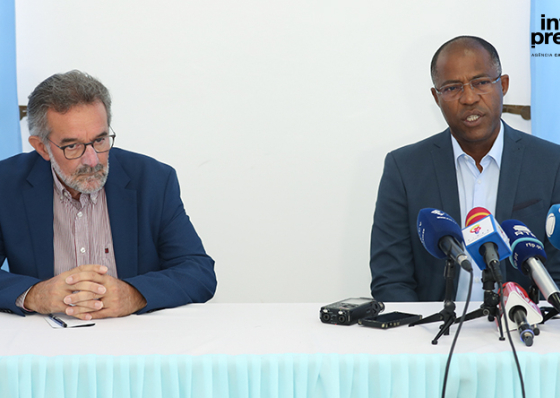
(389, 320)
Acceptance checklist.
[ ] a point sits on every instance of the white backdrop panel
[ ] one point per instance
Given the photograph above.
(276, 115)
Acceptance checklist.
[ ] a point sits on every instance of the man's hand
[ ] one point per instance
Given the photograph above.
(85, 292)
(120, 299)
(48, 296)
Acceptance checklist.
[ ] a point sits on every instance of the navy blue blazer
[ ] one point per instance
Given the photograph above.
(156, 247)
(423, 175)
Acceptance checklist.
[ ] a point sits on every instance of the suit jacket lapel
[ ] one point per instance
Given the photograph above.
(38, 200)
(122, 203)
(510, 170)
(446, 176)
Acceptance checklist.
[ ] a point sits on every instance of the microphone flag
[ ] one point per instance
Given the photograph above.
(481, 228)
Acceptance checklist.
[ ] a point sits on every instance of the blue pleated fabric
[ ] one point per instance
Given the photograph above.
(278, 376)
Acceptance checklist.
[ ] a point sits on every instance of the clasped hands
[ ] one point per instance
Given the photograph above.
(85, 292)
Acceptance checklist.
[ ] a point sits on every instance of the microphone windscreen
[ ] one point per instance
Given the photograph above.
(475, 215)
(553, 226)
(434, 224)
(524, 244)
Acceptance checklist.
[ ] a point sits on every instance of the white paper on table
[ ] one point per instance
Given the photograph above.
(70, 321)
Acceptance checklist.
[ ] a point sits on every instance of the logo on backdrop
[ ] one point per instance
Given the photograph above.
(549, 33)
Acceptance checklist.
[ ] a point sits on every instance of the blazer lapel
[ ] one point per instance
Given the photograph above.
(38, 200)
(122, 204)
(510, 170)
(446, 176)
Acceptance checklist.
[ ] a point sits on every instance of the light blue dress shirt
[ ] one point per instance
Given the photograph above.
(476, 189)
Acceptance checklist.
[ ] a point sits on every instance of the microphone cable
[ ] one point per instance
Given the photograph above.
(501, 296)
(457, 334)
(505, 317)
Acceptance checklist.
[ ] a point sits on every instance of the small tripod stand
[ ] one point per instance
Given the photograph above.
(447, 315)
(489, 306)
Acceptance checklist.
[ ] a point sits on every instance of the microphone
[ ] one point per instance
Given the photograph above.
(528, 255)
(441, 236)
(552, 226)
(521, 311)
(485, 241)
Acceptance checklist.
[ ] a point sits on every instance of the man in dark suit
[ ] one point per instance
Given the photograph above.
(84, 241)
(519, 175)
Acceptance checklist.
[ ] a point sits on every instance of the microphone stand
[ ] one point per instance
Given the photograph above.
(447, 315)
(533, 293)
(547, 312)
(489, 307)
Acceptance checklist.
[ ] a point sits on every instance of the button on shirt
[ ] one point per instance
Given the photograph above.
(82, 232)
(476, 189)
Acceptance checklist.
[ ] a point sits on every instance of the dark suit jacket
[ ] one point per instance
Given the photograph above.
(423, 175)
(156, 247)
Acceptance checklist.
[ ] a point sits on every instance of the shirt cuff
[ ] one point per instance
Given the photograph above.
(21, 300)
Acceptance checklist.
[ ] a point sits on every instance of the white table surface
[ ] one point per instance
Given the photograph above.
(216, 328)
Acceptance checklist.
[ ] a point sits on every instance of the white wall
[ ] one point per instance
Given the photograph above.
(276, 115)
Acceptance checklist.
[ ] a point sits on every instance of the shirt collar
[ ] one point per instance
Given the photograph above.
(494, 153)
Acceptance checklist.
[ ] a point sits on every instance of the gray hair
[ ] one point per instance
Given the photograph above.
(60, 93)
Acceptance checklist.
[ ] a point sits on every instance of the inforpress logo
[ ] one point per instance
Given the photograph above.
(549, 32)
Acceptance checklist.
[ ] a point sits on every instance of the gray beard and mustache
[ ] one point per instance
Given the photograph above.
(79, 180)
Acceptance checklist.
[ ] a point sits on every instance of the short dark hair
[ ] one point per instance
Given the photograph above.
(61, 92)
(469, 41)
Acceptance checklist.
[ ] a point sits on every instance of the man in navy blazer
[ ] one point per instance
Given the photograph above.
(160, 260)
(424, 175)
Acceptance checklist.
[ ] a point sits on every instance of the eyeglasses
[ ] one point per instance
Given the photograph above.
(480, 86)
(77, 150)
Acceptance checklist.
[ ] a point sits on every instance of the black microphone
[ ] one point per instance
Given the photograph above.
(528, 255)
(521, 310)
(526, 333)
(441, 236)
